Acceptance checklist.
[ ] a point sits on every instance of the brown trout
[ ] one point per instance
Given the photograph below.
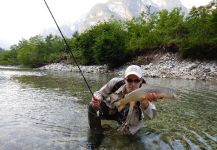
(141, 95)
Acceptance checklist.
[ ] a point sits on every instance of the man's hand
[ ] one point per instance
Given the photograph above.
(96, 100)
(150, 97)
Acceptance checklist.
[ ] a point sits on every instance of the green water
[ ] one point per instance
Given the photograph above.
(48, 110)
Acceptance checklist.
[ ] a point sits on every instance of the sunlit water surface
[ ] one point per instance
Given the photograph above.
(48, 110)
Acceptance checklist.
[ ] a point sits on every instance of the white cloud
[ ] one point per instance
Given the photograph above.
(26, 18)
(191, 3)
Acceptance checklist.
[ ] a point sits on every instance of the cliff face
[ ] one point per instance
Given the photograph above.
(126, 9)
(116, 9)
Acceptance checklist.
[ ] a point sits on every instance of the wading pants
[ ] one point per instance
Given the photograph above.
(104, 113)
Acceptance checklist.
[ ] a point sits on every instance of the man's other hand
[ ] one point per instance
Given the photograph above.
(96, 101)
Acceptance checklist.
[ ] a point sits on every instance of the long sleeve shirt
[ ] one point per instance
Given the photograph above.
(106, 93)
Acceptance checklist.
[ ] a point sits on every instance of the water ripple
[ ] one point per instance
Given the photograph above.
(40, 110)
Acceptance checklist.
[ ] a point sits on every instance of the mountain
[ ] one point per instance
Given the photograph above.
(117, 9)
(67, 31)
(126, 9)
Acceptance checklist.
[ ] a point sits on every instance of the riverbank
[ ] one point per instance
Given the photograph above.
(168, 65)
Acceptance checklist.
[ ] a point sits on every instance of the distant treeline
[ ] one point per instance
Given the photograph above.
(115, 42)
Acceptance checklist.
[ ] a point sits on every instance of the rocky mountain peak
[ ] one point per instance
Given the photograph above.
(126, 9)
(119, 9)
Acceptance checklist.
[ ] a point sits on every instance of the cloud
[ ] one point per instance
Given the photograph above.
(26, 18)
(191, 3)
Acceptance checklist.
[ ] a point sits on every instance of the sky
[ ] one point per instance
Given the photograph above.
(26, 18)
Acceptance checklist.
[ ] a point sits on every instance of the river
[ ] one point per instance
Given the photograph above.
(48, 110)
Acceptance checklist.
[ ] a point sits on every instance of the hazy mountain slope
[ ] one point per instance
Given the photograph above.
(126, 9)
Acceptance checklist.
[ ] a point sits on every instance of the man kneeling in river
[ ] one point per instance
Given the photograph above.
(103, 106)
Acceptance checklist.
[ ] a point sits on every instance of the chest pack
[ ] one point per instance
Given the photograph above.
(117, 85)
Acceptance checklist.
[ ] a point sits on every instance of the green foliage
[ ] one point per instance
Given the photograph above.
(200, 43)
(54, 49)
(168, 26)
(205, 50)
(102, 44)
(114, 42)
(159, 30)
(110, 44)
(28, 54)
(213, 20)
(84, 44)
(8, 57)
(38, 51)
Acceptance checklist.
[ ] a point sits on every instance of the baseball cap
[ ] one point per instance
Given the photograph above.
(133, 69)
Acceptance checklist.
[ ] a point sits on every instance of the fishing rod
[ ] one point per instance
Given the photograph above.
(68, 48)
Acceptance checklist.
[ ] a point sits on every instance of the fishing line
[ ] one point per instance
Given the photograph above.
(68, 48)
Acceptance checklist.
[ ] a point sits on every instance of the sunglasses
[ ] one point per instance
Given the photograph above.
(131, 81)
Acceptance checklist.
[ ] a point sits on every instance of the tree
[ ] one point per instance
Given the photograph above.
(110, 44)
(83, 44)
(31, 52)
(169, 25)
(202, 38)
(54, 49)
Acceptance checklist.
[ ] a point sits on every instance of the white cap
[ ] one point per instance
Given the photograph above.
(135, 70)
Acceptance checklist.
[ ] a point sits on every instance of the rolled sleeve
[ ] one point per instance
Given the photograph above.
(106, 90)
(150, 112)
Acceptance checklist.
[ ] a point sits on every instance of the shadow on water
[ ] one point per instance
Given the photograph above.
(111, 139)
(51, 108)
(94, 140)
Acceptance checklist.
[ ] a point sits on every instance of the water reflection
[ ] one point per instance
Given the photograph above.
(94, 140)
(47, 110)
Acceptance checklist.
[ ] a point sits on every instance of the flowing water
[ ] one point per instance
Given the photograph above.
(48, 110)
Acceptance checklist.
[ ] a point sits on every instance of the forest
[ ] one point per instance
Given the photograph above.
(115, 42)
